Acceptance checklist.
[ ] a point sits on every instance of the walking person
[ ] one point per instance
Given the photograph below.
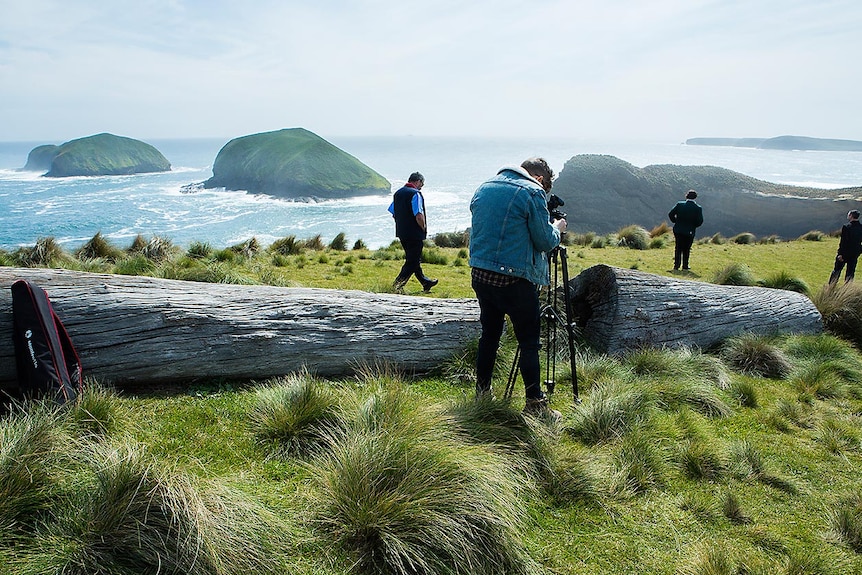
(849, 248)
(686, 216)
(408, 209)
(510, 238)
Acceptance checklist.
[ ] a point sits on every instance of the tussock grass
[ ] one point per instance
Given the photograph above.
(731, 508)
(671, 393)
(840, 305)
(660, 230)
(735, 274)
(708, 559)
(813, 236)
(838, 436)
(744, 391)
(823, 380)
(286, 246)
(452, 239)
(756, 355)
(786, 281)
(845, 519)
(400, 495)
(681, 363)
(138, 515)
(99, 247)
(594, 369)
(199, 250)
(744, 238)
(30, 443)
(96, 414)
(700, 458)
(339, 242)
(747, 462)
(293, 415)
(640, 464)
(46, 252)
(247, 249)
(610, 411)
(634, 237)
(136, 265)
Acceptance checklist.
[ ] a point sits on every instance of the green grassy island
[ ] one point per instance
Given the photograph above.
(744, 459)
(293, 163)
(99, 155)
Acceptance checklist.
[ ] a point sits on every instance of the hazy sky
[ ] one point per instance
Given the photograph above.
(596, 69)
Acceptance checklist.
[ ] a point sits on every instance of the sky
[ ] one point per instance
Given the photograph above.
(662, 70)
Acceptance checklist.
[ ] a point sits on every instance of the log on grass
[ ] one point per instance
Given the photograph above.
(142, 330)
(619, 310)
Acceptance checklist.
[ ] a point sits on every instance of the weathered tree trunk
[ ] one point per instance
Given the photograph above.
(131, 329)
(619, 310)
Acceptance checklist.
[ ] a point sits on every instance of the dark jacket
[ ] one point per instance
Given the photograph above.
(850, 245)
(406, 226)
(686, 217)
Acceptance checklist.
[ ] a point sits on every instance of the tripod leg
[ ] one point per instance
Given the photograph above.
(513, 374)
(570, 332)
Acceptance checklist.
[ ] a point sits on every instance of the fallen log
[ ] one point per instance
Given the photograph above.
(619, 310)
(142, 330)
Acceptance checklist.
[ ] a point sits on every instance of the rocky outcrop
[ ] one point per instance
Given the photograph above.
(604, 194)
(99, 155)
(782, 143)
(293, 163)
(39, 159)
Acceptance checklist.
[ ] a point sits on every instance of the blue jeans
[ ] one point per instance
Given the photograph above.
(520, 301)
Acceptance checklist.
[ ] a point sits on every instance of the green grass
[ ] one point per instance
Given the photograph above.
(675, 461)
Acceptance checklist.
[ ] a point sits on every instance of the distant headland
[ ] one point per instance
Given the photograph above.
(99, 155)
(782, 143)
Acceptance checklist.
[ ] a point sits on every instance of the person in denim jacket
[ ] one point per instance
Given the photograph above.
(510, 238)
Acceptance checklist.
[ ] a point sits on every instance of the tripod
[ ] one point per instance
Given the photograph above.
(548, 312)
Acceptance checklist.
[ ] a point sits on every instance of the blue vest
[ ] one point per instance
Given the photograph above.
(406, 227)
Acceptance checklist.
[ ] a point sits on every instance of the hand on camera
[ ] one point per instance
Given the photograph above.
(560, 225)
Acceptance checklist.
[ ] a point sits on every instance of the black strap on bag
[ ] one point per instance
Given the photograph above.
(47, 362)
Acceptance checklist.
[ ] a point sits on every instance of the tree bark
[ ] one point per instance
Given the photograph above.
(619, 310)
(142, 330)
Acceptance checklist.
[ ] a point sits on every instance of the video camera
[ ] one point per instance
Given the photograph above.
(554, 202)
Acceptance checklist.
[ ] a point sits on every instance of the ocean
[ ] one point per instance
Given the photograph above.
(73, 210)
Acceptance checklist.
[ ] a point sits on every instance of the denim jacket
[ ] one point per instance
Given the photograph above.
(511, 231)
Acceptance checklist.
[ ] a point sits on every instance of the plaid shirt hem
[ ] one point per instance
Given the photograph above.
(493, 279)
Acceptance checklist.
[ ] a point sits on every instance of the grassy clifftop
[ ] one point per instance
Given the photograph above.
(607, 193)
(293, 163)
(99, 155)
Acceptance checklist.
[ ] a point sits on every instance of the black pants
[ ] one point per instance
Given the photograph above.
(681, 249)
(520, 301)
(839, 265)
(412, 262)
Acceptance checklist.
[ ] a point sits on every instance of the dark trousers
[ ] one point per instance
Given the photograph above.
(839, 265)
(412, 262)
(681, 249)
(520, 301)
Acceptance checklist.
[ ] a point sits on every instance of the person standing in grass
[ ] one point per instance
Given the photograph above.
(686, 216)
(510, 239)
(849, 248)
(411, 228)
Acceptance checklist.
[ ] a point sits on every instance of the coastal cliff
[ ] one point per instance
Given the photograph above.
(606, 193)
(293, 163)
(99, 155)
